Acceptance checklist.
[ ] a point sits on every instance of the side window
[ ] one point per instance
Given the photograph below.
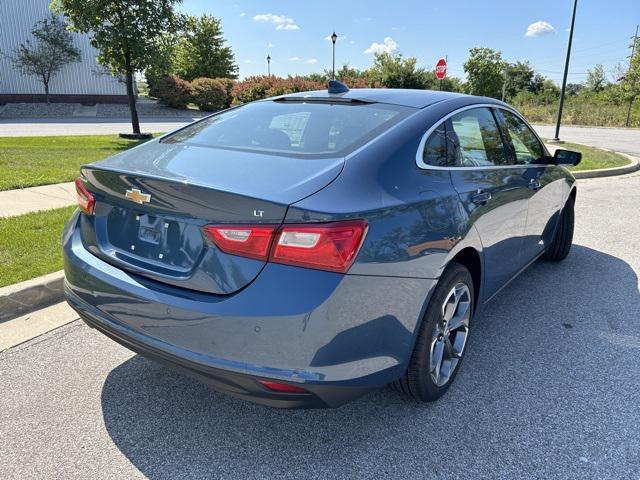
(435, 150)
(476, 138)
(525, 145)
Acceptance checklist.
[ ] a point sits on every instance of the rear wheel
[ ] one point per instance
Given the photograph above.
(559, 248)
(442, 338)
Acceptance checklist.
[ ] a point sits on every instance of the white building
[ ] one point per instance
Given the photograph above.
(84, 81)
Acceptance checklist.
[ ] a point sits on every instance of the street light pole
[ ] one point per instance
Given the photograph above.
(269, 65)
(334, 37)
(556, 138)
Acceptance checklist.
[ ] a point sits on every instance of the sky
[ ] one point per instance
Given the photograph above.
(296, 33)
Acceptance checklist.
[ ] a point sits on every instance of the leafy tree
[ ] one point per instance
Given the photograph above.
(596, 80)
(201, 50)
(630, 82)
(518, 77)
(125, 32)
(52, 50)
(395, 71)
(574, 89)
(484, 69)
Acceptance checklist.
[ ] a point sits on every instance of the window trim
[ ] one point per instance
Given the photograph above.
(424, 166)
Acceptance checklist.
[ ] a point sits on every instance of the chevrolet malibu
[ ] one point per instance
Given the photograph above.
(302, 250)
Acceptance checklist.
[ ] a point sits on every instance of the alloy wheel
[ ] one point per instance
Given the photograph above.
(450, 334)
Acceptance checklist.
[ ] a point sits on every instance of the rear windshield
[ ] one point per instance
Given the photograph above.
(293, 128)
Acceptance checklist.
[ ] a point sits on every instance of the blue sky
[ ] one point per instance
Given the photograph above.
(294, 32)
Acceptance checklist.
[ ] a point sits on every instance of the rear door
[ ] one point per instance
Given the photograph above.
(544, 182)
(493, 191)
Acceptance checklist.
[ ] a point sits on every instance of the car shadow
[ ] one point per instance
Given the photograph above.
(526, 383)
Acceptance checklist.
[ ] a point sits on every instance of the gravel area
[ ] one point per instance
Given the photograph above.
(548, 390)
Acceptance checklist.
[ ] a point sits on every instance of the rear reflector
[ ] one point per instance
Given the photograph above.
(281, 387)
(324, 246)
(251, 241)
(86, 201)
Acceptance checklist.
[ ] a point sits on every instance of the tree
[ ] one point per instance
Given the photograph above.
(630, 83)
(395, 71)
(596, 80)
(125, 32)
(52, 50)
(201, 50)
(484, 69)
(518, 77)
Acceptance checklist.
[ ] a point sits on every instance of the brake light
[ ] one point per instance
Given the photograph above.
(328, 246)
(86, 201)
(324, 246)
(251, 241)
(281, 387)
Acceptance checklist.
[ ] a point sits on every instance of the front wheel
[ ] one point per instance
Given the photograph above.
(559, 248)
(442, 338)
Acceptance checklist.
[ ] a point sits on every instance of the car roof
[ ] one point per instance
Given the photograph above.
(395, 96)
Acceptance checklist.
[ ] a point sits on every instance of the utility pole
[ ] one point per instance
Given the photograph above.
(556, 138)
(269, 66)
(633, 78)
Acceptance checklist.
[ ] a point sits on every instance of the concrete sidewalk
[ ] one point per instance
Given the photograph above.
(32, 199)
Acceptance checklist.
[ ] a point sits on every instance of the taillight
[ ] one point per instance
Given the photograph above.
(86, 201)
(251, 241)
(328, 246)
(324, 246)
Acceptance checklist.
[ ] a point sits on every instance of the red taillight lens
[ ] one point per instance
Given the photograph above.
(86, 202)
(251, 241)
(328, 246)
(281, 387)
(324, 246)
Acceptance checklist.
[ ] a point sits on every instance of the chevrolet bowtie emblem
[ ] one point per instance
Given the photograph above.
(137, 196)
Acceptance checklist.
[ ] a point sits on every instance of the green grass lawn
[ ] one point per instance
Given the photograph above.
(32, 161)
(595, 158)
(30, 244)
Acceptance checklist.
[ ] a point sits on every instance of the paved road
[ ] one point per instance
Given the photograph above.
(549, 389)
(42, 127)
(626, 140)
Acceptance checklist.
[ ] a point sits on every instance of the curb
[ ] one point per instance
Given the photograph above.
(25, 297)
(611, 172)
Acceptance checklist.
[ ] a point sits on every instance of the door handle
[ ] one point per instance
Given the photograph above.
(534, 184)
(481, 197)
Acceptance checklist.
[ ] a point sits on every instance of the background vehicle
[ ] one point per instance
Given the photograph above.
(302, 250)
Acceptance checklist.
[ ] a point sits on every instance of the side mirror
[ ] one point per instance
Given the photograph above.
(566, 157)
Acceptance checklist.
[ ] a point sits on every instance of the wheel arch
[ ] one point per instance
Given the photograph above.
(470, 258)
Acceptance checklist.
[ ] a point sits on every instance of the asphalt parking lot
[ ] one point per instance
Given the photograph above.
(550, 388)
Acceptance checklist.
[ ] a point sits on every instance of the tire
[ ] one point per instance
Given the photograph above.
(422, 380)
(559, 248)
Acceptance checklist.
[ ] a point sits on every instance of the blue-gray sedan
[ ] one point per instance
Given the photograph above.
(302, 250)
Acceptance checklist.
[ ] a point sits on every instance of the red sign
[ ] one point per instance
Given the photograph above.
(441, 69)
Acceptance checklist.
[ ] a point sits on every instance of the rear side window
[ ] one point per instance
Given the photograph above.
(476, 138)
(524, 144)
(436, 152)
(294, 128)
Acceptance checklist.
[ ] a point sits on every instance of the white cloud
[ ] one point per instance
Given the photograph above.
(311, 61)
(282, 22)
(294, 59)
(243, 14)
(388, 45)
(540, 28)
(270, 45)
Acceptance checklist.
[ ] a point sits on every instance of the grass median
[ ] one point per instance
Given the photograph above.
(33, 161)
(595, 158)
(30, 244)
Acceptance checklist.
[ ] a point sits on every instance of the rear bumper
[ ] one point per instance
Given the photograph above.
(337, 336)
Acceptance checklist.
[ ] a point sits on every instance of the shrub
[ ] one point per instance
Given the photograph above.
(209, 94)
(228, 84)
(172, 91)
(259, 87)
